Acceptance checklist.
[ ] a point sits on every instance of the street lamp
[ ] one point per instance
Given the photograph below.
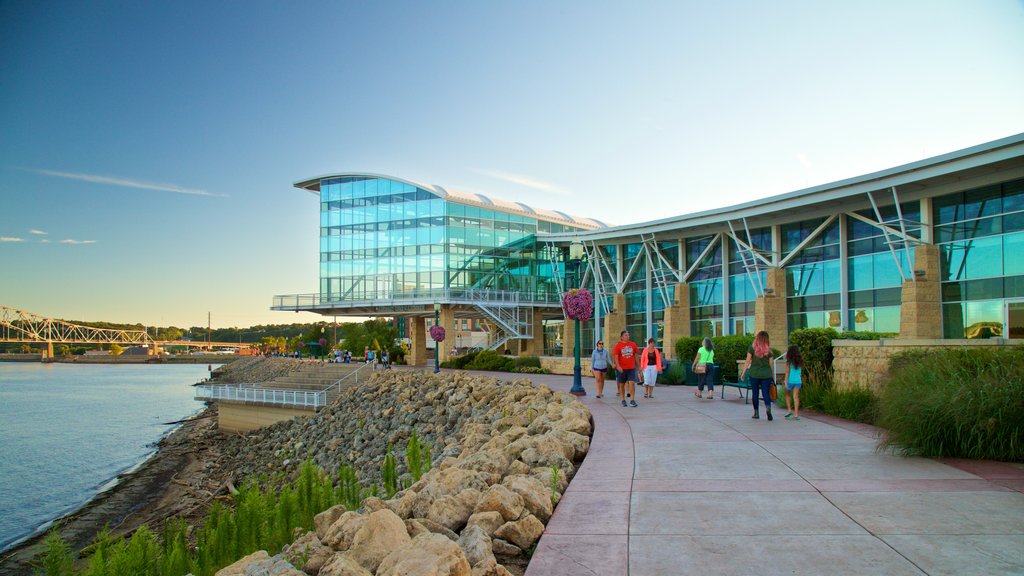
(437, 345)
(575, 256)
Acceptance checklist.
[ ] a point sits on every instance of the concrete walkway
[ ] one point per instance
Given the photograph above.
(687, 486)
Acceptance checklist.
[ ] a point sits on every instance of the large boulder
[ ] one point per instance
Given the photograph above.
(522, 533)
(536, 496)
(274, 566)
(309, 553)
(501, 499)
(342, 564)
(323, 520)
(238, 567)
(340, 535)
(488, 521)
(436, 528)
(453, 511)
(381, 534)
(476, 544)
(492, 463)
(505, 548)
(426, 555)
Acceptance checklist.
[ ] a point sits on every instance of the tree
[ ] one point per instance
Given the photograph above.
(169, 333)
(116, 349)
(64, 350)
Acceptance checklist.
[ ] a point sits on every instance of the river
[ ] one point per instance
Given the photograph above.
(68, 430)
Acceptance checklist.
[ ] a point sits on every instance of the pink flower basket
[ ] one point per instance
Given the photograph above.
(578, 304)
(437, 333)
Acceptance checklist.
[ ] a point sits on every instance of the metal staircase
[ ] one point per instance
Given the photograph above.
(506, 316)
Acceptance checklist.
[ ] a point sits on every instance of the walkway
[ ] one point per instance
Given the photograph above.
(687, 486)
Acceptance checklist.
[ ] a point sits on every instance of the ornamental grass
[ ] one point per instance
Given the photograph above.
(965, 403)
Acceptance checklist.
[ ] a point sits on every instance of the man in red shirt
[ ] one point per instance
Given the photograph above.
(624, 361)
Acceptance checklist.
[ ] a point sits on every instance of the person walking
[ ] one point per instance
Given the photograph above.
(599, 363)
(385, 359)
(759, 361)
(650, 366)
(794, 379)
(706, 356)
(624, 361)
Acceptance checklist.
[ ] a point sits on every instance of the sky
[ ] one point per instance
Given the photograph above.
(148, 149)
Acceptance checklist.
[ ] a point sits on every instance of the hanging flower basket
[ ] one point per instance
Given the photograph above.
(437, 333)
(578, 304)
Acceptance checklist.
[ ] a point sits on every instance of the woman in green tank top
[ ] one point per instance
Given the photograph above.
(705, 355)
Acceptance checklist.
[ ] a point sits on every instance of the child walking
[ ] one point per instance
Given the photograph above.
(794, 378)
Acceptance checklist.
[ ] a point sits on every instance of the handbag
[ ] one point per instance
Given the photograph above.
(702, 368)
(773, 392)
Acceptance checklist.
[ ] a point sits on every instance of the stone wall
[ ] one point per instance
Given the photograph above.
(563, 365)
(865, 363)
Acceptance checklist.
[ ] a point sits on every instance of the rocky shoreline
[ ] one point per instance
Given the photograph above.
(503, 453)
(154, 491)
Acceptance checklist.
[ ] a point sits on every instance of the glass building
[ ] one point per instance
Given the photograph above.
(946, 231)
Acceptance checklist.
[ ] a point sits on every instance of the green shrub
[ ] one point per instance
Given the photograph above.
(532, 370)
(56, 559)
(389, 474)
(729, 349)
(687, 346)
(459, 362)
(815, 345)
(857, 404)
(527, 362)
(491, 361)
(956, 402)
(675, 375)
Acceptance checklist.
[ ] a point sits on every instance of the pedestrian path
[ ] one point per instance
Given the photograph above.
(687, 486)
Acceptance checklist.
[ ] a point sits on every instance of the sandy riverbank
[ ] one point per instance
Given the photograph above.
(180, 479)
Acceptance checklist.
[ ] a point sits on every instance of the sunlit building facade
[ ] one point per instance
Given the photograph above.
(932, 249)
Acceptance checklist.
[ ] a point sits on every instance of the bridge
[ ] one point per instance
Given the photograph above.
(19, 326)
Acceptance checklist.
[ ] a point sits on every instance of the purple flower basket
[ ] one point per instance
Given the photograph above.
(437, 333)
(578, 304)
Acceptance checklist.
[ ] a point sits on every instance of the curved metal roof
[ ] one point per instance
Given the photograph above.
(467, 199)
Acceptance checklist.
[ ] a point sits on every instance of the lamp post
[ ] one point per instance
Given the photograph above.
(437, 345)
(575, 256)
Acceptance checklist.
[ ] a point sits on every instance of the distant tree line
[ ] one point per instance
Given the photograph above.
(377, 334)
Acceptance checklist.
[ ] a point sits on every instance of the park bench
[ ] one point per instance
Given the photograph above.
(743, 387)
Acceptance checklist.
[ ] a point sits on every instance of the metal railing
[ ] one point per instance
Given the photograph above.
(419, 296)
(303, 398)
(346, 377)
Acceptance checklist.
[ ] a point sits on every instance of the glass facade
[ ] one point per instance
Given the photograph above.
(980, 234)
(705, 287)
(382, 239)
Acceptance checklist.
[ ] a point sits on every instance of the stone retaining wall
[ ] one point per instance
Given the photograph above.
(865, 363)
(562, 365)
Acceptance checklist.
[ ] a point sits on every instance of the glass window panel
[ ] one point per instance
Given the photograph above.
(981, 202)
(1013, 287)
(885, 272)
(831, 276)
(984, 257)
(1013, 254)
(983, 319)
(985, 289)
(860, 272)
(1013, 196)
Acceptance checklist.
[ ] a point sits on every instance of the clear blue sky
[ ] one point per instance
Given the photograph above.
(161, 138)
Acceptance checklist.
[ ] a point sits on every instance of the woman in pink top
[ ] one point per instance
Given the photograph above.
(650, 367)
